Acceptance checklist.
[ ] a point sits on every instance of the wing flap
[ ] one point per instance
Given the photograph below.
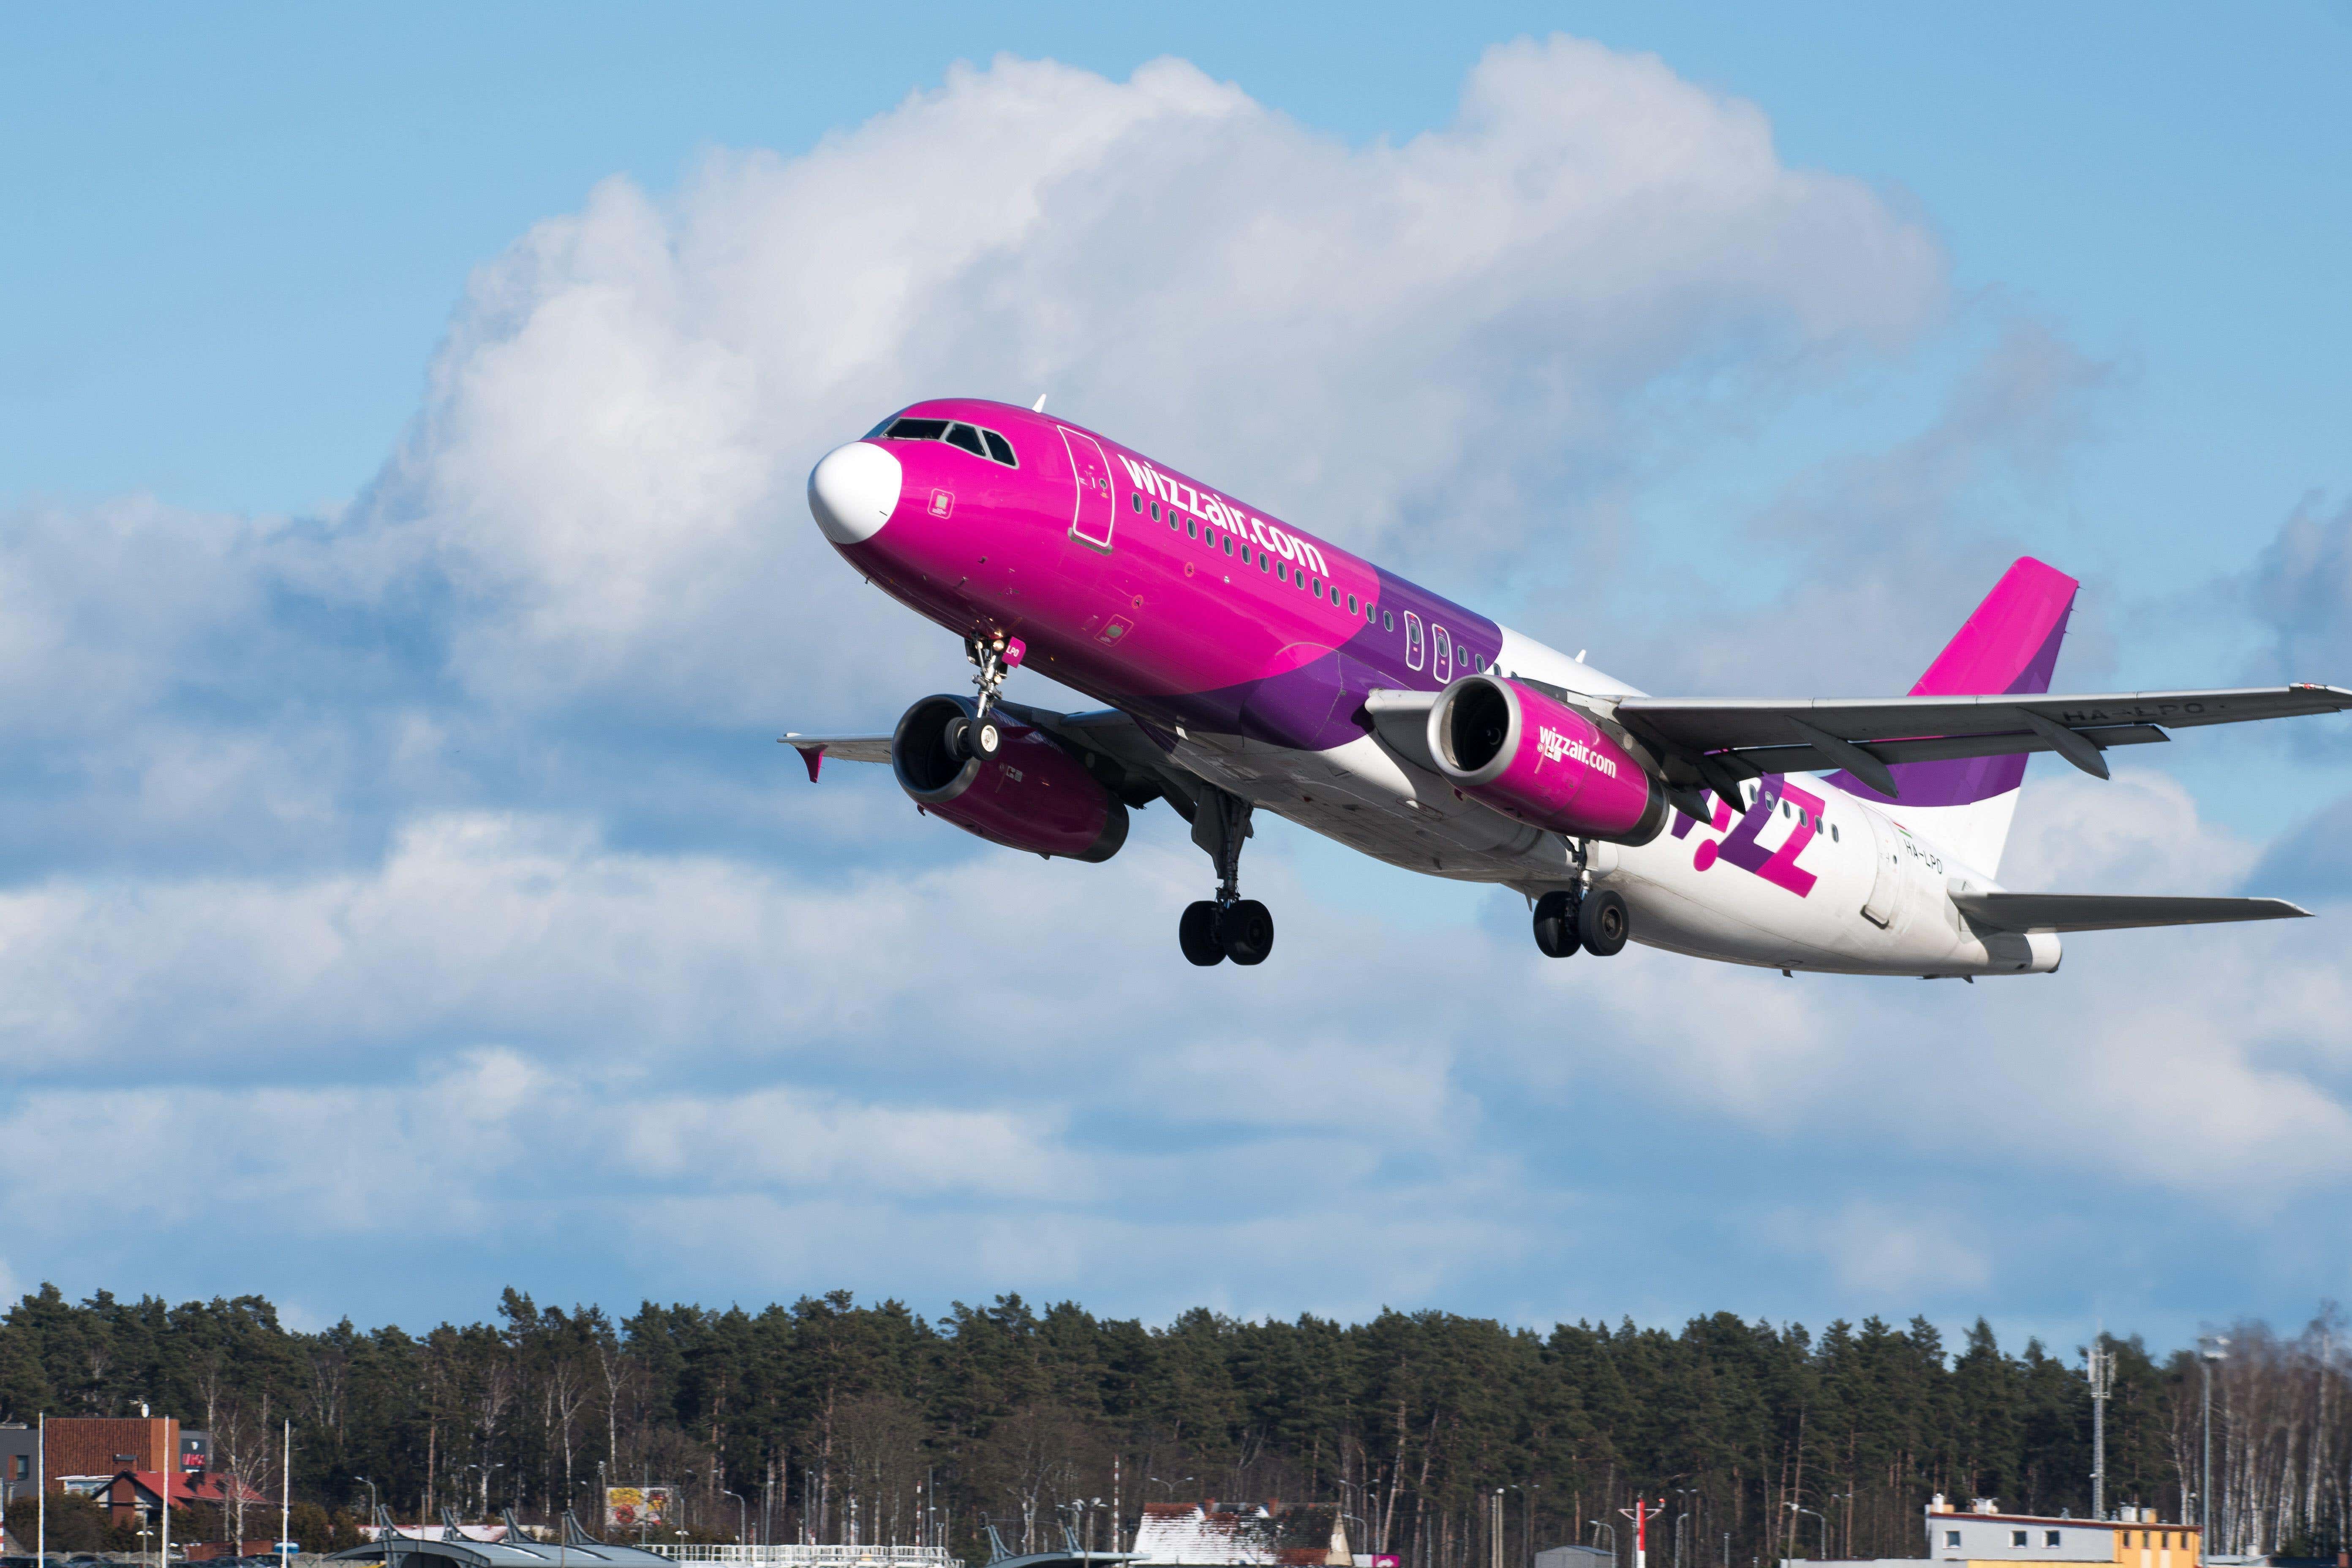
(2113, 911)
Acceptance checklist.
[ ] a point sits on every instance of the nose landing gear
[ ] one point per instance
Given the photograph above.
(982, 736)
(1228, 926)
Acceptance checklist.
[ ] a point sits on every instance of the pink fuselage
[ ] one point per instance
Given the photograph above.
(1165, 598)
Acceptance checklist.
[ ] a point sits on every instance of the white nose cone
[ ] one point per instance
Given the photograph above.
(853, 490)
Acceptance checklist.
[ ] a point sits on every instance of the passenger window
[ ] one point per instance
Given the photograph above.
(1191, 529)
(1281, 572)
(1261, 560)
(1442, 664)
(1318, 587)
(1136, 497)
(1001, 449)
(1834, 833)
(965, 435)
(1352, 603)
(1388, 621)
(1155, 515)
(918, 429)
(1413, 648)
(1229, 545)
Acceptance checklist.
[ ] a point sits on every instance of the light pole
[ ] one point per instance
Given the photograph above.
(2209, 1351)
(1171, 1486)
(1801, 1507)
(1686, 1493)
(742, 1517)
(1601, 1524)
(1846, 1497)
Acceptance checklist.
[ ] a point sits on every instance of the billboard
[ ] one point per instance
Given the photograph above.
(636, 1507)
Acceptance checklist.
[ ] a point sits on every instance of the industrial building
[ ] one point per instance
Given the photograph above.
(2134, 1538)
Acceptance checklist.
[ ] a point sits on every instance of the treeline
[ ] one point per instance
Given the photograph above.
(831, 1422)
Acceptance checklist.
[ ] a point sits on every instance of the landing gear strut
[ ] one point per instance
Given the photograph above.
(980, 735)
(1228, 926)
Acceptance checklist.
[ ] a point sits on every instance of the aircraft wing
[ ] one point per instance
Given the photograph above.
(1727, 741)
(2103, 912)
(814, 749)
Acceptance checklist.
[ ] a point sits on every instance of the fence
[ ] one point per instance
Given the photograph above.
(795, 1556)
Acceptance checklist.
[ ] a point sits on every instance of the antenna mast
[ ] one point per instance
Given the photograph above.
(2102, 1375)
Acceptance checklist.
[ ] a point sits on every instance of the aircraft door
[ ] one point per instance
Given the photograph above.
(1098, 508)
(1887, 876)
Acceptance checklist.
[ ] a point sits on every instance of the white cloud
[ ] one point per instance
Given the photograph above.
(610, 465)
(1885, 1253)
(2138, 832)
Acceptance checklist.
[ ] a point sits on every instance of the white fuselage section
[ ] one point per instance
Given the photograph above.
(1800, 875)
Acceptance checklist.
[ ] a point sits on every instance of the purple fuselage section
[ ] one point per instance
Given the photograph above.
(1149, 592)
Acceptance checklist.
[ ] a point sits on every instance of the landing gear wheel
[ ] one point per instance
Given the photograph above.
(1556, 925)
(1246, 930)
(1197, 934)
(983, 738)
(1603, 922)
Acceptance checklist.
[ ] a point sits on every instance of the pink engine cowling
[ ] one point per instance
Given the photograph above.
(1032, 795)
(1509, 746)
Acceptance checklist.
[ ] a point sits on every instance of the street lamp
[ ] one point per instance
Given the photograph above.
(742, 1517)
(1801, 1507)
(2209, 1351)
(1686, 1493)
(1171, 1486)
(1601, 1524)
(1846, 1497)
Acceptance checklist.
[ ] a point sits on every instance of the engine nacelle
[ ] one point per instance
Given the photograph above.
(1511, 747)
(1032, 795)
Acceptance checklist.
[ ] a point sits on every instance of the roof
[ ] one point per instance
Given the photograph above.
(188, 1486)
(1244, 1533)
(1963, 1513)
(575, 1549)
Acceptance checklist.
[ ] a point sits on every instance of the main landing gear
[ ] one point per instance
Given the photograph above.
(1595, 919)
(1228, 926)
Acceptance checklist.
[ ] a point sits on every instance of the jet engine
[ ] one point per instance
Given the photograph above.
(1031, 796)
(1508, 745)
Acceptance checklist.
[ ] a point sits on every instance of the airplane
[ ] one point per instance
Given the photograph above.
(1246, 665)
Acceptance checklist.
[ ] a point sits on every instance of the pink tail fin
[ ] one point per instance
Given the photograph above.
(2009, 645)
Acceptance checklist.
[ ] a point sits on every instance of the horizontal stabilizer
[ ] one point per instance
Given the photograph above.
(2113, 911)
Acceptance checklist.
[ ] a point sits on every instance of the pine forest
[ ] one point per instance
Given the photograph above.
(828, 1421)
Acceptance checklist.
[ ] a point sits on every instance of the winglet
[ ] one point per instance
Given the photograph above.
(813, 756)
(1038, 406)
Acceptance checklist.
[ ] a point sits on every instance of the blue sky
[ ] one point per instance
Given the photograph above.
(405, 575)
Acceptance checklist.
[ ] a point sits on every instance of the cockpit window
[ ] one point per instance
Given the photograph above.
(955, 433)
